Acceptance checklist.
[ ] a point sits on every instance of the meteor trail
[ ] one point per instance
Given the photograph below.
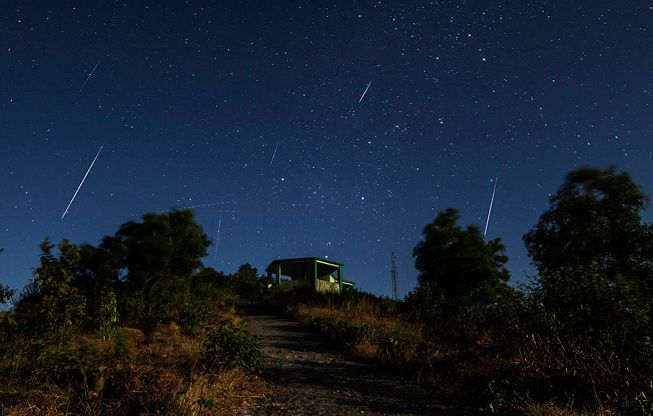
(273, 155)
(212, 204)
(82, 182)
(487, 222)
(364, 92)
(89, 76)
(217, 237)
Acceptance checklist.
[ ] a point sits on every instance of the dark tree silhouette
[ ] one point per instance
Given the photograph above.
(5, 292)
(593, 224)
(246, 273)
(594, 256)
(161, 248)
(455, 261)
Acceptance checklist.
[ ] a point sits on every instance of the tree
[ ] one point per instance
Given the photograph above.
(246, 282)
(6, 293)
(61, 306)
(157, 257)
(456, 261)
(595, 257)
(593, 224)
(160, 247)
(246, 273)
(208, 275)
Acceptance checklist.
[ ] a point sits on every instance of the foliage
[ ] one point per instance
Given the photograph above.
(344, 331)
(131, 308)
(61, 306)
(231, 345)
(210, 276)
(67, 349)
(63, 365)
(195, 314)
(368, 326)
(247, 283)
(454, 261)
(591, 302)
(595, 259)
(96, 277)
(6, 294)
(122, 348)
(6, 320)
(396, 346)
(246, 273)
(594, 223)
(159, 256)
(107, 314)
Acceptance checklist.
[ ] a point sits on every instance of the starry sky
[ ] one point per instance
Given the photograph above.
(253, 110)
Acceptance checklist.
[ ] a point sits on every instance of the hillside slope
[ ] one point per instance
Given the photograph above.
(307, 375)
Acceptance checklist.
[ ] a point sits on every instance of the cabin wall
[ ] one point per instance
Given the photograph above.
(327, 286)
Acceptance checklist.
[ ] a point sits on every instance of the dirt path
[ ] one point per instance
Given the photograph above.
(310, 377)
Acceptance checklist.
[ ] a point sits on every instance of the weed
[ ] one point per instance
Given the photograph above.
(396, 346)
(232, 345)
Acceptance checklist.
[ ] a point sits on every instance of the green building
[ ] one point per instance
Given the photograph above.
(320, 274)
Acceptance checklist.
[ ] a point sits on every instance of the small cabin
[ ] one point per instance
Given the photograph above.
(320, 274)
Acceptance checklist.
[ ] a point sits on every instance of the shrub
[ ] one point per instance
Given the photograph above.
(123, 349)
(326, 325)
(352, 333)
(61, 306)
(82, 364)
(232, 345)
(345, 332)
(131, 307)
(58, 365)
(196, 313)
(107, 314)
(396, 346)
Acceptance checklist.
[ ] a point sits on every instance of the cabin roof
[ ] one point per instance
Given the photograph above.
(299, 266)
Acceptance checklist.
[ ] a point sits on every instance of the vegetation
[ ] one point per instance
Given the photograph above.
(139, 325)
(453, 262)
(128, 328)
(576, 340)
(231, 345)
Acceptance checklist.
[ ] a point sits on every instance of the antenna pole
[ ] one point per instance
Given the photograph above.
(395, 290)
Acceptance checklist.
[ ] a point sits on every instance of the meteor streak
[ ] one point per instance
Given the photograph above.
(487, 222)
(82, 182)
(273, 155)
(217, 237)
(212, 204)
(364, 92)
(89, 76)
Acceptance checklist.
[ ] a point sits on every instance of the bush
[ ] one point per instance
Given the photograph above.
(60, 305)
(131, 308)
(59, 365)
(353, 333)
(107, 314)
(123, 349)
(395, 346)
(196, 313)
(232, 345)
(345, 332)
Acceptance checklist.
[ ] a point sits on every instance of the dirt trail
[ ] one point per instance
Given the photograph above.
(310, 377)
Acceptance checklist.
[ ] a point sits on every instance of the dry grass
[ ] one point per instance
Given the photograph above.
(550, 409)
(475, 373)
(165, 376)
(366, 350)
(227, 393)
(362, 311)
(359, 312)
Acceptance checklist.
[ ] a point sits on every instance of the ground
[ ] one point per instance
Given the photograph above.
(309, 376)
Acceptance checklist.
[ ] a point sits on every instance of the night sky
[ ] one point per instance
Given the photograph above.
(254, 109)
